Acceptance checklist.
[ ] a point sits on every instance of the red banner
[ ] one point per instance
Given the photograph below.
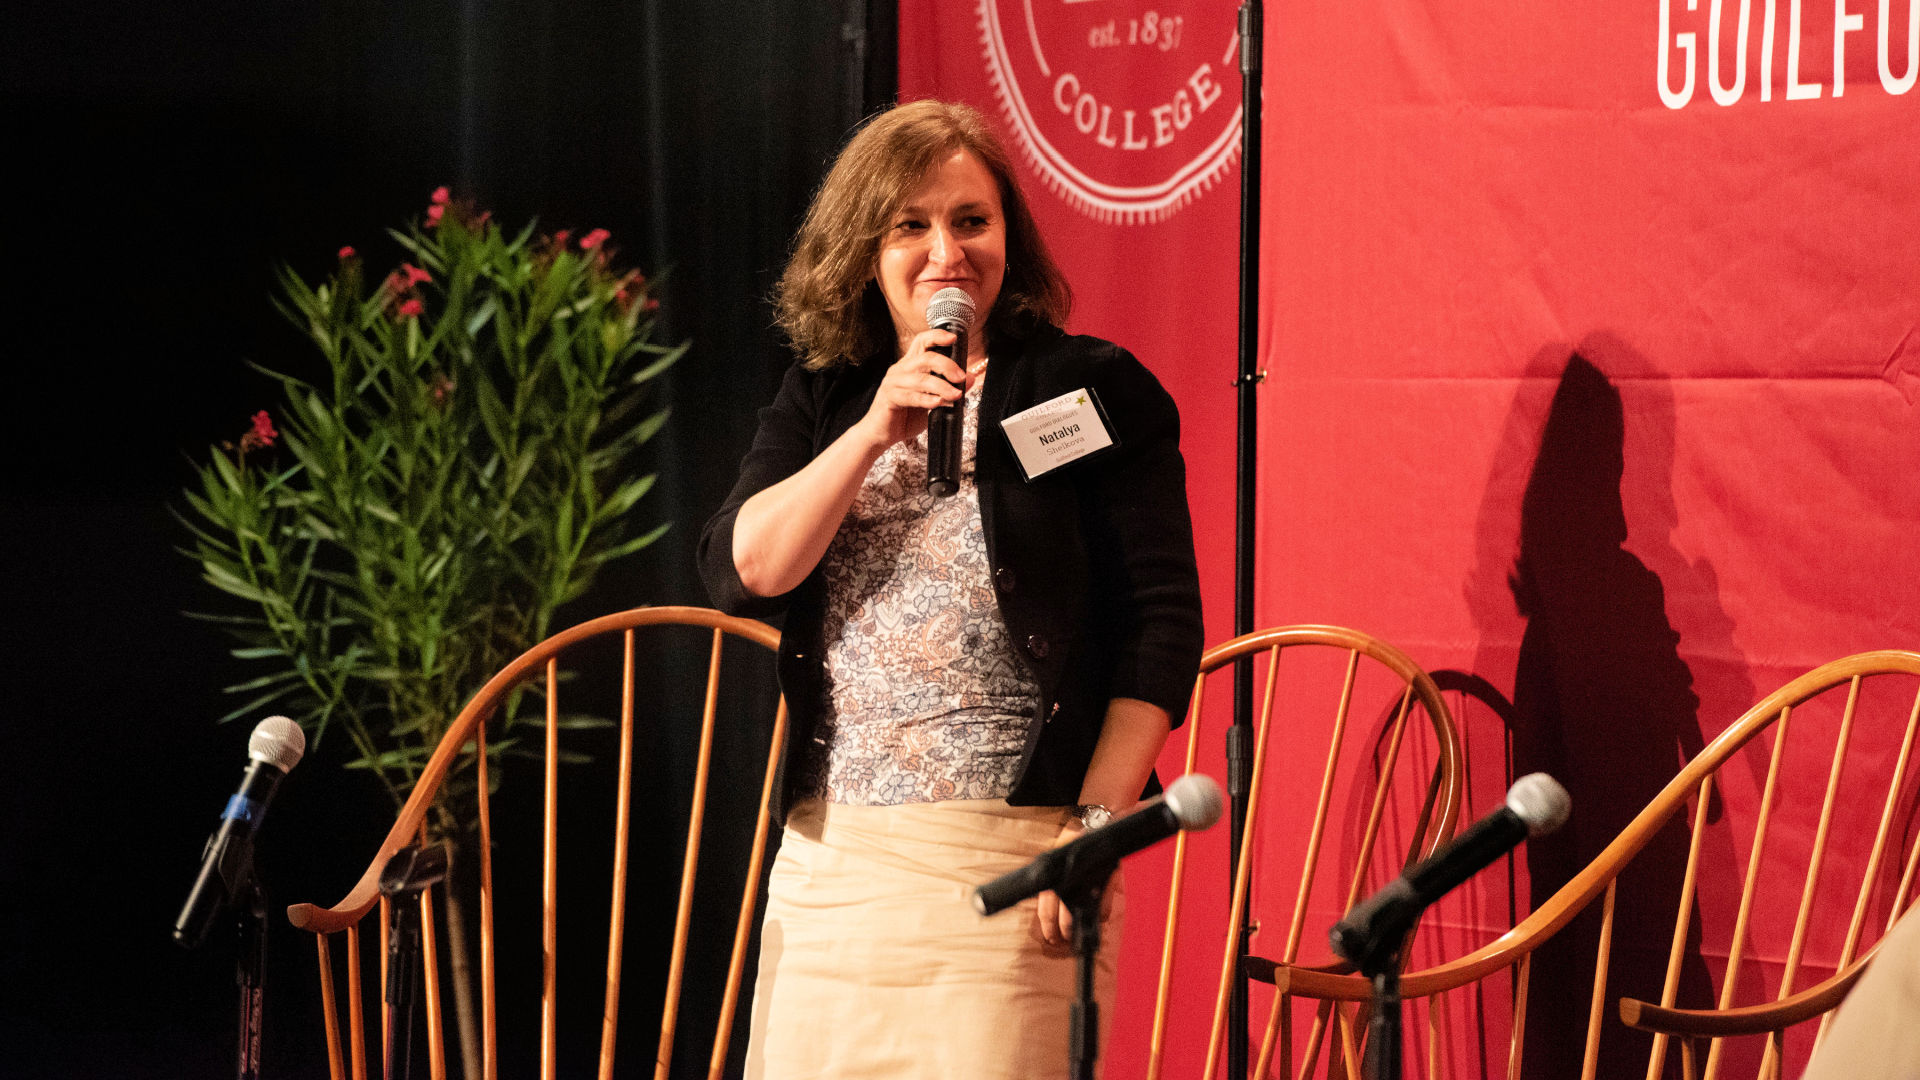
(1594, 343)
(1591, 329)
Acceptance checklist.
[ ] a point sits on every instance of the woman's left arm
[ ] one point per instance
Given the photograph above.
(1130, 742)
(1141, 536)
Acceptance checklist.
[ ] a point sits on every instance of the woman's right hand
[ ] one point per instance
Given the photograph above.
(781, 532)
(920, 380)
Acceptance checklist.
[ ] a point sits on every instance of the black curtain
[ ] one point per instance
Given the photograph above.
(164, 159)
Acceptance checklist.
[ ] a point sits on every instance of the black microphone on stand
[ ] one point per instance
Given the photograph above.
(1191, 802)
(1372, 932)
(226, 866)
(225, 883)
(951, 309)
(1078, 872)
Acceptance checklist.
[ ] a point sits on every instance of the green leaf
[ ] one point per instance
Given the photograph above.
(263, 682)
(227, 582)
(382, 511)
(477, 320)
(625, 496)
(414, 756)
(648, 428)
(254, 705)
(665, 361)
(622, 550)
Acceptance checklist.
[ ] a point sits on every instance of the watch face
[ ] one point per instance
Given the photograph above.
(1094, 816)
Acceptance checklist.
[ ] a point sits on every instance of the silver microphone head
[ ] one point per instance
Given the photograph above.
(1195, 801)
(1540, 801)
(950, 306)
(279, 742)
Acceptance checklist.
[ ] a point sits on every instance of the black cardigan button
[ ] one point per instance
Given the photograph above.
(1004, 578)
(1037, 646)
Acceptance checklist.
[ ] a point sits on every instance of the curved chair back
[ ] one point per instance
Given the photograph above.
(1861, 805)
(541, 665)
(1340, 709)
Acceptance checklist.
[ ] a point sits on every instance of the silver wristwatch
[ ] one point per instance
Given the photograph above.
(1092, 815)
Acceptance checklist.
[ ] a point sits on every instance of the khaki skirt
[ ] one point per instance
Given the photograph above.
(874, 964)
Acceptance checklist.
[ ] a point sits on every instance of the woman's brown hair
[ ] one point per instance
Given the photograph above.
(827, 300)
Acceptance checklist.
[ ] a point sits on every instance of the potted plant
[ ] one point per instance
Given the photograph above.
(410, 521)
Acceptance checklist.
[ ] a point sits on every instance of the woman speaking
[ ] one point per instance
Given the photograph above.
(972, 679)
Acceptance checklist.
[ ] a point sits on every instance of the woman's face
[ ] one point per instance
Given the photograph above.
(949, 233)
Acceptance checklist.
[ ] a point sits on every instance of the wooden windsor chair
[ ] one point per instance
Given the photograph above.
(542, 664)
(1385, 792)
(1865, 801)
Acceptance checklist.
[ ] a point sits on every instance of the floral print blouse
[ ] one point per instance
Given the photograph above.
(925, 698)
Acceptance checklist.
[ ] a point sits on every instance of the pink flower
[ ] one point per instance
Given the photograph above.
(411, 309)
(347, 252)
(259, 436)
(594, 239)
(652, 304)
(434, 212)
(560, 238)
(395, 283)
(415, 275)
(441, 195)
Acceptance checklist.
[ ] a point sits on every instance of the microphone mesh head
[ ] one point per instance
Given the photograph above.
(950, 305)
(1195, 801)
(279, 742)
(1540, 801)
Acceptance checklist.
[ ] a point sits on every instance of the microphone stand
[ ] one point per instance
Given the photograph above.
(1381, 964)
(227, 876)
(408, 874)
(1083, 1035)
(1252, 29)
(250, 975)
(402, 949)
(1382, 1061)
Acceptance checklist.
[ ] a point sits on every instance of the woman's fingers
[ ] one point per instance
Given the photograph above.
(919, 394)
(1052, 922)
(920, 380)
(923, 379)
(920, 356)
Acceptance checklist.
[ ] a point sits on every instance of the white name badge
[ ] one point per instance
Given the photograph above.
(1054, 433)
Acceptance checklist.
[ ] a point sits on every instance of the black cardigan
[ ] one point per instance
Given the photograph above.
(1092, 563)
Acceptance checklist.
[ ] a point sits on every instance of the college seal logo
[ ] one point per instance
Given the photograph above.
(1127, 108)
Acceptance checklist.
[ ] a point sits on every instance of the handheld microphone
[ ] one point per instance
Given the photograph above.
(1372, 932)
(1191, 802)
(226, 866)
(951, 309)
